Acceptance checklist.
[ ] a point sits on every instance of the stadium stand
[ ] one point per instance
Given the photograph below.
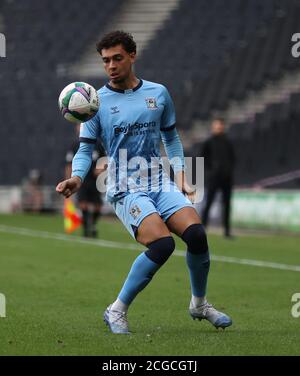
(209, 54)
(268, 145)
(41, 37)
(196, 51)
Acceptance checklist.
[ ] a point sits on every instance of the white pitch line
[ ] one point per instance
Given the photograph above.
(262, 264)
(130, 246)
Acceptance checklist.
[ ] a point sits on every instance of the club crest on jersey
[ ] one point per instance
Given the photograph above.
(135, 211)
(151, 103)
(114, 110)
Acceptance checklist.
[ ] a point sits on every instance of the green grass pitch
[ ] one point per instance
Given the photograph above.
(56, 290)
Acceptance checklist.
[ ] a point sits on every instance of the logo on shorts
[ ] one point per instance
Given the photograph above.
(151, 103)
(135, 211)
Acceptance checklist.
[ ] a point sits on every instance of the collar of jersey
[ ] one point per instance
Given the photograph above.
(125, 91)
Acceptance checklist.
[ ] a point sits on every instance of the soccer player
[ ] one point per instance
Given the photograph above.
(134, 116)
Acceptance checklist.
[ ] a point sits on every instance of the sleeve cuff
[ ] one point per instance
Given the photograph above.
(168, 128)
(87, 140)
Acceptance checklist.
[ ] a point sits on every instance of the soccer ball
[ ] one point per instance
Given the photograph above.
(78, 102)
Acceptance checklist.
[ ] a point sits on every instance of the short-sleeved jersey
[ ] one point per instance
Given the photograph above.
(129, 123)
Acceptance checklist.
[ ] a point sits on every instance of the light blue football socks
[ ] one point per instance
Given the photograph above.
(198, 265)
(140, 275)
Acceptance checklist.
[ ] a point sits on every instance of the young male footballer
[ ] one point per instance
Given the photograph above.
(134, 116)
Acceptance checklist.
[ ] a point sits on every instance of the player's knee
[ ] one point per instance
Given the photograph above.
(161, 249)
(195, 238)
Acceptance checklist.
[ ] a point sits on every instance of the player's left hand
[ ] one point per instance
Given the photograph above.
(185, 188)
(189, 192)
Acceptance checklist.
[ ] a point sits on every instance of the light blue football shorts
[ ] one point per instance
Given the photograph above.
(134, 207)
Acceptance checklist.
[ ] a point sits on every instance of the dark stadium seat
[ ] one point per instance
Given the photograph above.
(269, 144)
(206, 39)
(41, 36)
(207, 54)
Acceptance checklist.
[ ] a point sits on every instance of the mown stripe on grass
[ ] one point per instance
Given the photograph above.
(132, 246)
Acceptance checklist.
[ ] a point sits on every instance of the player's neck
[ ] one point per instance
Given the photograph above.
(129, 83)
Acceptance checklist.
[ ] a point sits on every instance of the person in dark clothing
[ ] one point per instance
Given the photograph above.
(219, 161)
(88, 197)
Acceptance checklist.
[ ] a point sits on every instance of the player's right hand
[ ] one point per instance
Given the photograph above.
(69, 186)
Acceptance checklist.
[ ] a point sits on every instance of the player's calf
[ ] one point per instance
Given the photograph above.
(195, 238)
(141, 273)
(198, 263)
(197, 259)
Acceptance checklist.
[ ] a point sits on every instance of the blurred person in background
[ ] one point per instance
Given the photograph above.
(88, 197)
(219, 162)
(32, 194)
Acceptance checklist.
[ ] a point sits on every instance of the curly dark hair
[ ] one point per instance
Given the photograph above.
(114, 38)
(220, 119)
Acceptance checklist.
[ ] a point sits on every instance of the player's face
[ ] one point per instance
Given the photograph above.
(117, 63)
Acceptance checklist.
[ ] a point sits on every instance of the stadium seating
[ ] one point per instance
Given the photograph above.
(202, 49)
(210, 52)
(41, 37)
(268, 145)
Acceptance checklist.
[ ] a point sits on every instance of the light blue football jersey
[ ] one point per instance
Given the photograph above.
(129, 123)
